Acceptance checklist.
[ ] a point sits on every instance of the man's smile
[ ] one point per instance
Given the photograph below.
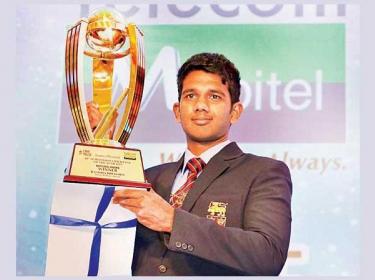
(201, 120)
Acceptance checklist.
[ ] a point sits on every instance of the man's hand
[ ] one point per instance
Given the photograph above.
(151, 209)
(94, 114)
(95, 117)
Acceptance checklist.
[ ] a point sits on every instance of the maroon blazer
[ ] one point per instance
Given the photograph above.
(249, 196)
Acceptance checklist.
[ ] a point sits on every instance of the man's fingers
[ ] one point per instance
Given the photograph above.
(131, 202)
(121, 194)
(94, 114)
(130, 208)
(91, 104)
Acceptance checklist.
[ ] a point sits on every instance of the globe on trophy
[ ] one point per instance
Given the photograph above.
(105, 39)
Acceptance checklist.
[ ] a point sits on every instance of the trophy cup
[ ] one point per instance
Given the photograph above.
(105, 38)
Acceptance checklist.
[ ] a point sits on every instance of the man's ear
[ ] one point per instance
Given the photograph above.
(176, 111)
(236, 112)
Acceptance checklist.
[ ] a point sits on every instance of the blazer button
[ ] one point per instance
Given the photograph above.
(162, 268)
(178, 244)
(184, 246)
(190, 248)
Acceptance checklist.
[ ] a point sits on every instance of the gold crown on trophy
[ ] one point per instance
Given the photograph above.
(104, 37)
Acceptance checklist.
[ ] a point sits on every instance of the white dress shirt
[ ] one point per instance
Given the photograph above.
(182, 175)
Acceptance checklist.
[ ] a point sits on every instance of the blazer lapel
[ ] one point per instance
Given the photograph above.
(215, 167)
(165, 185)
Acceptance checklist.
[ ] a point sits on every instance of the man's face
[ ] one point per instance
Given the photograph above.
(205, 111)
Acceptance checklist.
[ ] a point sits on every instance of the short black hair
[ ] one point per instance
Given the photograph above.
(212, 63)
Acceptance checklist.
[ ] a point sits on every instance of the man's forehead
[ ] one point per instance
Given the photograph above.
(200, 76)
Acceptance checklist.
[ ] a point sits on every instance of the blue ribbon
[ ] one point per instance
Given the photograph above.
(95, 245)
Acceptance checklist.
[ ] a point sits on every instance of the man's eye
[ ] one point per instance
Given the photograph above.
(190, 96)
(215, 97)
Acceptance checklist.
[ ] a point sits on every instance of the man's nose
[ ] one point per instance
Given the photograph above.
(201, 104)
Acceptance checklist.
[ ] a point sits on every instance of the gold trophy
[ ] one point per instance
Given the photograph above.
(105, 38)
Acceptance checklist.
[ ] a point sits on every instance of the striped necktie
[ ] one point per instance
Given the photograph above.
(195, 165)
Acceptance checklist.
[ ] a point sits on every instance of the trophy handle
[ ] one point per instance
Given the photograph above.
(74, 50)
(135, 90)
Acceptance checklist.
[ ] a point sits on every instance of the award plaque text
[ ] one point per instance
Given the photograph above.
(106, 165)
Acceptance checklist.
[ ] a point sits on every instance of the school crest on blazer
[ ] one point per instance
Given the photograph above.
(217, 211)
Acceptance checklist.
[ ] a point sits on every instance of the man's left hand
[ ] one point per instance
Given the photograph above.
(151, 209)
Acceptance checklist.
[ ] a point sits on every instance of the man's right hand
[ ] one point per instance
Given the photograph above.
(94, 114)
(95, 117)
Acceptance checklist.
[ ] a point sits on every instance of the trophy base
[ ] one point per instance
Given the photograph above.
(106, 165)
(100, 181)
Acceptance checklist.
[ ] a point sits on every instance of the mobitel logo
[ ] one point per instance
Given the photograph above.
(280, 106)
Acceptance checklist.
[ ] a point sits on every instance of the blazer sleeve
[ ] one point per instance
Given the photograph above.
(261, 246)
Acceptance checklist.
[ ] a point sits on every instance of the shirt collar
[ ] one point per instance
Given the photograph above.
(206, 155)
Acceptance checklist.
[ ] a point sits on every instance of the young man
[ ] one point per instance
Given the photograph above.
(217, 211)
